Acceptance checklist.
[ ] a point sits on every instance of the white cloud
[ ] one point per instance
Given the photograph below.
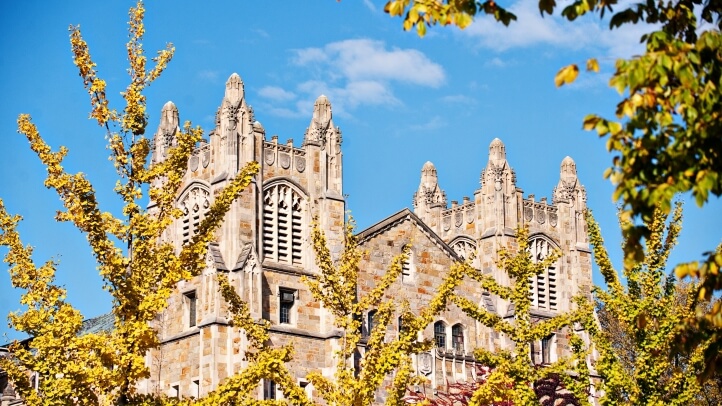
(276, 93)
(352, 73)
(370, 5)
(209, 75)
(434, 124)
(495, 62)
(531, 29)
(365, 59)
(458, 98)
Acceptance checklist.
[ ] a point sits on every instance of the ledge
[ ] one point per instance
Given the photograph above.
(290, 330)
(286, 269)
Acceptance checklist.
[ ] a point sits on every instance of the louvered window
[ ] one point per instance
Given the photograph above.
(195, 204)
(283, 225)
(543, 292)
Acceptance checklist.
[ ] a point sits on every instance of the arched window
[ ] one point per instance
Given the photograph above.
(463, 247)
(457, 337)
(283, 224)
(440, 334)
(543, 291)
(194, 203)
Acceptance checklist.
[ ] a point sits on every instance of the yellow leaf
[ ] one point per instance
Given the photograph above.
(566, 75)
(592, 65)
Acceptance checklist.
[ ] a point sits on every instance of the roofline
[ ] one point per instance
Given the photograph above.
(398, 217)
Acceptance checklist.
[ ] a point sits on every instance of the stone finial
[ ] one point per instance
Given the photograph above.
(322, 112)
(429, 192)
(568, 170)
(317, 132)
(258, 127)
(497, 150)
(234, 89)
(169, 118)
(568, 185)
(429, 178)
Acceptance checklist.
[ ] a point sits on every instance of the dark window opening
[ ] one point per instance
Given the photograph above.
(288, 297)
(457, 337)
(191, 300)
(440, 334)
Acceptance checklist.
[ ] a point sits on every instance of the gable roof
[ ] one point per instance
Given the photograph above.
(401, 217)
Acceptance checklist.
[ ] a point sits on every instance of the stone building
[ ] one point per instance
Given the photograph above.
(264, 248)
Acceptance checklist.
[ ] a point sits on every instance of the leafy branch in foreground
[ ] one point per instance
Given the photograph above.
(638, 359)
(512, 373)
(668, 129)
(335, 287)
(139, 269)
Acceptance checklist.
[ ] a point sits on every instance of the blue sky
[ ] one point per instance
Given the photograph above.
(400, 100)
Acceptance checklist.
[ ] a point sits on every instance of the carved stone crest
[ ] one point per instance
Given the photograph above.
(300, 164)
(425, 363)
(206, 157)
(470, 214)
(540, 215)
(447, 223)
(270, 156)
(528, 213)
(194, 163)
(553, 219)
(458, 218)
(284, 160)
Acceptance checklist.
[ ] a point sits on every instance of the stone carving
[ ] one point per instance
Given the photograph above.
(458, 218)
(284, 160)
(540, 215)
(528, 213)
(270, 156)
(194, 162)
(425, 363)
(553, 219)
(447, 222)
(300, 164)
(206, 157)
(470, 214)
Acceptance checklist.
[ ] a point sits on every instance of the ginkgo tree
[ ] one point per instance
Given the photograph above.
(139, 268)
(667, 133)
(642, 318)
(513, 374)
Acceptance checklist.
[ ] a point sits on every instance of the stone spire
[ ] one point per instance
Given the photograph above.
(234, 89)
(165, 137)
(316, 133)
(498, 185)
(429, 193)
(568, 189)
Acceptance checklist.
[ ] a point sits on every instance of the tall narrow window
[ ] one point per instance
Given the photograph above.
(546, 346)
(283, 224)
(457, 337)
(440, 334)
(269, 389)
(543, 289)
(372, 321)
(190, 299)
(287, 299)
(194, 203)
